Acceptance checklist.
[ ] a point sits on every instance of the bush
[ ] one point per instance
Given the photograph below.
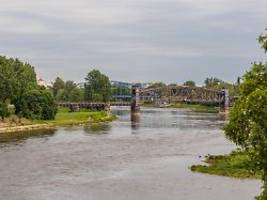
(37, 104)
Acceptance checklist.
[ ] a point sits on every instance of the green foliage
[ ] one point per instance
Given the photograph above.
(157, 85)
(212, 82)
(70, 92)
(237, 164)
(189, 83)
(247, 125)
(97, 87)
(3, 110)
(64, 117)
(57, 85)
(196, 107)
(263, 41)
(38, 104)
(217, 84)
(16, 79)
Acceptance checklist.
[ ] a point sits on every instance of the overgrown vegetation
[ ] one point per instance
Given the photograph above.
(17, 83)
(247, 128)
(237, 164)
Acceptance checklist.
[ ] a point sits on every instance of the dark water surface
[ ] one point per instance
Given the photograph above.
(123, 160)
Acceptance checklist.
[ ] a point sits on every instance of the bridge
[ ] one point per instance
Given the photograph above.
(158, 96)
(178, 94)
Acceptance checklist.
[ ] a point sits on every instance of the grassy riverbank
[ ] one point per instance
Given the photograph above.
(193, 107)
(237, 164)
(63, 117)
(196, 107)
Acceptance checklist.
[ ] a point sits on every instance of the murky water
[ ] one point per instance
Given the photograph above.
(123, 160)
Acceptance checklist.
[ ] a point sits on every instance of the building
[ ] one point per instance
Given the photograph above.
(41, 82)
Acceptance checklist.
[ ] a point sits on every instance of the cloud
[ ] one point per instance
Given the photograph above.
(134, 39)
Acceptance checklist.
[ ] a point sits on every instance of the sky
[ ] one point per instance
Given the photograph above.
(134, 40)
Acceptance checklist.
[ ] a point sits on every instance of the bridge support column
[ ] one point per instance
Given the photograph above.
(135, 107)
(226, 99)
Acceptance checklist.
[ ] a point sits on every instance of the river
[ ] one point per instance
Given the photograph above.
(146, 159)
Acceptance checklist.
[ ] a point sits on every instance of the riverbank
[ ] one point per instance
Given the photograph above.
(63, 118)
(236, 164)
(192, 107)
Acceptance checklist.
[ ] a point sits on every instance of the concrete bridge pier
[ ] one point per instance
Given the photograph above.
(225, 99)
(135, 103)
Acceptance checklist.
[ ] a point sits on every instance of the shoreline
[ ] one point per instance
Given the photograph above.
(191, 107)
(55, 124)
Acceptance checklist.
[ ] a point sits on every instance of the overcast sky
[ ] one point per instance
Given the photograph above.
(134, 40)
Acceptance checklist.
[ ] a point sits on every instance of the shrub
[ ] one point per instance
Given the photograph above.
(37, 104)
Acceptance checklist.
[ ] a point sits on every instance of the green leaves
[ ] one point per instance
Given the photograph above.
(247, 125)
(97, 86)
(38, 104)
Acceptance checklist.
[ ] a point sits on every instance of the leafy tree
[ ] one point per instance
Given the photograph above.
(190, 83)
(157, 85)
(38, 104)
(97, 86)
(16, 78)
(212, 82)
(247, 125)
(57, 85)
(76, 95)
(217, 84)
(70, 92)
(263, 41)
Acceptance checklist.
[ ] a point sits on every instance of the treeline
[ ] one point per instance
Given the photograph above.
(97, 88)
(18, 86)
(210, 83)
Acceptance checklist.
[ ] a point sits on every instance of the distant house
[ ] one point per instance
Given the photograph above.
(41, 82)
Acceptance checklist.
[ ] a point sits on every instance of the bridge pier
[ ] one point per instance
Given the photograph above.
(135, 103)
(226, 99)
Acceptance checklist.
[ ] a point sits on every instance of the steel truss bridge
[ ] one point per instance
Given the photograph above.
(176, 94)
(163, 95)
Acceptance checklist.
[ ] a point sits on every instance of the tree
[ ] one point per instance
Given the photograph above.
(57, 85)
(247, 125)
(263, 40)
(212, 82)
(70, 92)
(76, 95)
(157, 85)
(190, 83)
(16, 78)
(38, 104)
(97, 86)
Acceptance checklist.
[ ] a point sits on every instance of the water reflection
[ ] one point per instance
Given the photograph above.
(101, 128)
(135, 120)
(19, 137)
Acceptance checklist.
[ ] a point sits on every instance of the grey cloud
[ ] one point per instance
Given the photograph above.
(168, 40)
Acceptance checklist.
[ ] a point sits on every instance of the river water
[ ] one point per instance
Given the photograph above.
(147, 158)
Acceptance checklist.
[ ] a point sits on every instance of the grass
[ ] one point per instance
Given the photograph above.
(196, 107)
(63, 117)
(237, 164)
